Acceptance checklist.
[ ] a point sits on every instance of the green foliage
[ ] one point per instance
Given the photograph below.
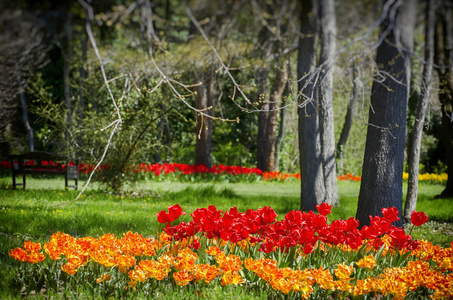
(182, 54)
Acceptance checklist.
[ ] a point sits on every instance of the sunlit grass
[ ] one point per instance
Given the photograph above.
(45, 208)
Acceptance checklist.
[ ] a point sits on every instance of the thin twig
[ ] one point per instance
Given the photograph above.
(203, 34)
(118, 121)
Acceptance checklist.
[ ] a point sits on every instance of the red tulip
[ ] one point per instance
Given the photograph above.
(308, 248)
(267, 247)
(399, 238)
(174, 211)
(199, 214)
(268, 215)
(381, 225)
(288, 242)
(390, 213)
(324, 209)
(353, 239)
(352, 224)
(294, 216)
(418, 218)
(162, 217)
(195, 245)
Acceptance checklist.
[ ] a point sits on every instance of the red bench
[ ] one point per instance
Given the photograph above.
(44, 163)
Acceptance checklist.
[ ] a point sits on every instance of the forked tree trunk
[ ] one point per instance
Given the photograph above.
(326, 114)
(311, 172)
(382, 177)
(444, 57)
(415, 137)
(350, 114)
(204, 100)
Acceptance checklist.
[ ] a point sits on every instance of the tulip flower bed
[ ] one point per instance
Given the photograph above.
(185, 172)
(299, 256)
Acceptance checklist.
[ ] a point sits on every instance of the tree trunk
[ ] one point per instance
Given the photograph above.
(281, 129)
(204, 100)
(269, 120)
(382, 177)
(311, 172)
(23, 102)
(265, 45)
(417, 130)
(414, 93)
(165, 136)
(443, 57)
(350, 114)
(326, 114)
(262, 92)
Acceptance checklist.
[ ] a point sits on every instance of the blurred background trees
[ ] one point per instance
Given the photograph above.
(239, 106)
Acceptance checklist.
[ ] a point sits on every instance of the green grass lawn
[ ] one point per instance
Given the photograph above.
(45, 208)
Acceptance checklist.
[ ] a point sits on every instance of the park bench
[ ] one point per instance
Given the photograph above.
(44, 163)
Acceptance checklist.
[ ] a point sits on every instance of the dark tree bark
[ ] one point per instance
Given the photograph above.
(326, 115)
(444, 59)
(204, 100)
(262, 79)
(165, 136)
(312, 179)
(350, 114)
(382, 177)
(261, 138)
(415, 137)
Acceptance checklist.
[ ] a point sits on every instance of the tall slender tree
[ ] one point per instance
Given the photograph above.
(326, 115)
(351, 111)
(382, 177)
(311, 171)
(265, 42)
(204, 100)
(271, 43)
(444, 59)
(415, 137)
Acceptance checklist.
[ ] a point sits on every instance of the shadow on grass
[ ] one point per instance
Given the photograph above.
(205, 192)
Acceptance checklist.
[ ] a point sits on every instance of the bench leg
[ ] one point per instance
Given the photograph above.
(23, 180)
(14, 181)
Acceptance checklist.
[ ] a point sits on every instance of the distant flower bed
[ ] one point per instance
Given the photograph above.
(429, 177)
(175, 171)
(300, 256)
